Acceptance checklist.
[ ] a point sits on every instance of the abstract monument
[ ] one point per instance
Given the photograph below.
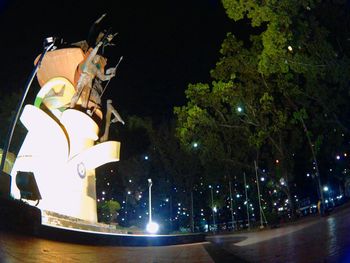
(55, 167)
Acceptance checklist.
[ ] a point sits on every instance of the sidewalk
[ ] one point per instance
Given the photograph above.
(248, 237)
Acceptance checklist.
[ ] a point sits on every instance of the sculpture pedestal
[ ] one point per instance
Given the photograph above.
(62, 156)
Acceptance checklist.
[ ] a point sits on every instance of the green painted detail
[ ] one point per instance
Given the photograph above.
(38, 102)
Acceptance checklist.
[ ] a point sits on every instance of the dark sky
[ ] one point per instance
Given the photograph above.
(165, 45)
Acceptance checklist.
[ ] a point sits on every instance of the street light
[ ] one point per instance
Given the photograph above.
(126, 205)
(212, 206)
(150, 200)
(152, 227)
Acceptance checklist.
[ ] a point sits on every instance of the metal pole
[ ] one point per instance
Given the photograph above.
(171, 211)
(231, 203)
(49, 44)
(150, 200)
(257, 183)
(246, 200)
(192, 217)
(212, 207)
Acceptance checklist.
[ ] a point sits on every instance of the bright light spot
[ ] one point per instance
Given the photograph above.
(129, 192)
(103, 192)
(262, 179)
(130, 181)
(215, 209)
(308, 175)
(152, 227)
(325, 188)
(277, 161)
(338, 157)
(237, 195)
(146, 157)
(167, 200)
(195, 145)
(239, 109)
(290, 48)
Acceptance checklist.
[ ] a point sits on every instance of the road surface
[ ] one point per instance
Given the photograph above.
(314, 240)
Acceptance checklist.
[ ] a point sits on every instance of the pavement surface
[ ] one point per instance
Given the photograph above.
(314, 239)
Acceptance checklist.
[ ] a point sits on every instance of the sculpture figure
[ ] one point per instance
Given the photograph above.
(91, 68)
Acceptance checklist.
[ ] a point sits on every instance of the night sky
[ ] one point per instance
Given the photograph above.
(165, 45)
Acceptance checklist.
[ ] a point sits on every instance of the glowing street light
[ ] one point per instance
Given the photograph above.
(150, 199)
(152, 227)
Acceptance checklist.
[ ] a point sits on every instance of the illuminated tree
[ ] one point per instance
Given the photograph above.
(283, 87)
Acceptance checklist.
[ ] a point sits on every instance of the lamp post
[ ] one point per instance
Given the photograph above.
(149, 200)
(152, 227)
(126, 206)
(231, 208)
(246, 199)
(212, 206)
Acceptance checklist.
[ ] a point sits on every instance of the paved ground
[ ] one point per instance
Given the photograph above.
(313, 240)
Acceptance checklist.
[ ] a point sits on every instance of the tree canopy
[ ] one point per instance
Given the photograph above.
(277, 95)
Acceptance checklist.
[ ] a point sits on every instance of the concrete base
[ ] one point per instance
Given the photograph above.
(19, 217)
(5, 185)
(112, 239)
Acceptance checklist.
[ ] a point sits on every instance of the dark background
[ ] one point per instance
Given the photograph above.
(165, 45)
